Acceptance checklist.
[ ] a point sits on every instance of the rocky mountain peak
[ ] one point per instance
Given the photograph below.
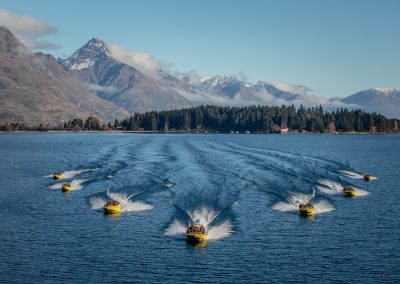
(94, 50)
(10, 44)
(386, 91)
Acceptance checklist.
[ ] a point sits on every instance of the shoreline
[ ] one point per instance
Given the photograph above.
(197, 133)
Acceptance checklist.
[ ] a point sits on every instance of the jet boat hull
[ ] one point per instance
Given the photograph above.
(57, 176)
(196, 237)
(66, 187)
(112, 208)
(306, 211)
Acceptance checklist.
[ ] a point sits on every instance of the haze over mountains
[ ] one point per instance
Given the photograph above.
(120, 83)
(381, 100)
(38, 88)
(34, 88)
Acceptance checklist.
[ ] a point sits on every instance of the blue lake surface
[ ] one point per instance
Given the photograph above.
(245, 188)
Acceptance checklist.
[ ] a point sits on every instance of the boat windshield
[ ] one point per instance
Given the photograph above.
(305, 206)
(196, 229)
(113, 203)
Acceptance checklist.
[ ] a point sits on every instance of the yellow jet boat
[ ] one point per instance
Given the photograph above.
(367, 177)
(349, 191)
(112, 206)
(57, 175)
(66, 187)
(306, 209)
(196, 233)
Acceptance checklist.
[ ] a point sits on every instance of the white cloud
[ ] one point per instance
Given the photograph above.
(291, 88)
(140, 60)
(28, 29)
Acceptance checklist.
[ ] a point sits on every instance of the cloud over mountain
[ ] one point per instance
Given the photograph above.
(142, 61)
(28, 29)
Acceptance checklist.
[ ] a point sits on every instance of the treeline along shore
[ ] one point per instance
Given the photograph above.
(245, 119)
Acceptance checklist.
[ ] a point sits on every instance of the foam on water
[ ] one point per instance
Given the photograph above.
(97, 203)
(70, 174)
(176, 229)
(361, 192)
(323, 206)
(56, 186)
(285, 207)
(334, 188)
(219, 231)
(127, 205)
(329, 187)
(75, 184)
(351, 174)
(293, 201)
(354, 175)
(204, 216)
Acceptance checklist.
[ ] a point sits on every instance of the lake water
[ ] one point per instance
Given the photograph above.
(245, 188)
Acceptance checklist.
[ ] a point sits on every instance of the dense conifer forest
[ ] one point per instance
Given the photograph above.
(260, 119)
(254, 119)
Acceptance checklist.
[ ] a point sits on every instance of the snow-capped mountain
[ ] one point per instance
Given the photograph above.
(381, 100)
(118, 82)
(85, 57)
(127, 87)
(35, 89)
(224, 89)
(229, 90)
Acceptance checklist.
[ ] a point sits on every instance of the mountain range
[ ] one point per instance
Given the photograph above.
(38, 88)
(34, 88)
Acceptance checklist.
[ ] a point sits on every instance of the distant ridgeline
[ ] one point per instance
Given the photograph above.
(261, 119)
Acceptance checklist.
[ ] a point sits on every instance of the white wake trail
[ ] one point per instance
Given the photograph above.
(334, 188)
(127, 205)
(75, 185)
(353, 175)
(70, 174)
(293, 201)
(204, 216)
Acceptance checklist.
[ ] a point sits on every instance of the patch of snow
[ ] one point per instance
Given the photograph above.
(83, 65)
(386, 91)
(219, 80)
(203, 79)
(291, 88)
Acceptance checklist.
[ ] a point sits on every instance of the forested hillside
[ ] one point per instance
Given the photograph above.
(260, 119)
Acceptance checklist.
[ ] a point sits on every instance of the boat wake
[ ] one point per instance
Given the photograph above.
(127, 204)
(176, 229)
(354, 175)
(334, 188)
(75, 185)
(329, 187)
(293, 201)
(361, 192)
(71, 174)
(206, 217)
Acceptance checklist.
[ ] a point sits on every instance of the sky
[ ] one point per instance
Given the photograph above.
(334, 47)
